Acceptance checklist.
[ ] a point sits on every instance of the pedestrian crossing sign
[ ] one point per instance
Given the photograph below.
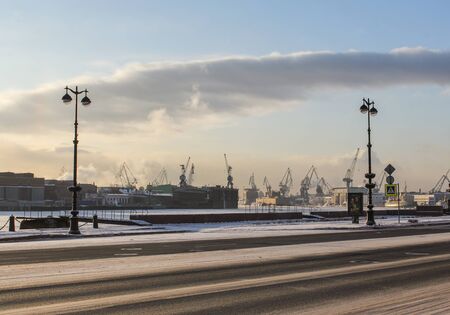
(390, 190)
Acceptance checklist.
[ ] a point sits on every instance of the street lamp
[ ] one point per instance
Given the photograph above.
(368, 107)
(75, 188)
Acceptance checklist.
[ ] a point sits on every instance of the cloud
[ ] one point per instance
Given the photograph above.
(174, 95)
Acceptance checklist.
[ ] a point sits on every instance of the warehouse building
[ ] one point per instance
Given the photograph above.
(20, 191)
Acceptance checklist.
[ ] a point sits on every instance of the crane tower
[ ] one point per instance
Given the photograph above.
(286, 183)
(229, 177)
(184, 167)
(348, 179)
(268, 187)
(127, 179)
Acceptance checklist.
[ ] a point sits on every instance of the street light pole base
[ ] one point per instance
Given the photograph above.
(370, 218)
(74, 229)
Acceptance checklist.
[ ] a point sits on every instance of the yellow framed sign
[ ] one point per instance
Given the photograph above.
(391, 190)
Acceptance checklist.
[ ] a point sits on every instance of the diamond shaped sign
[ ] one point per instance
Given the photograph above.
(389, 169)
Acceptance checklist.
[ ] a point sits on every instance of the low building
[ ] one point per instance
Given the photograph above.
(250, 196)
(20, 191)
(58, 195)
(424, 200)
(442, 198)
(266, 201)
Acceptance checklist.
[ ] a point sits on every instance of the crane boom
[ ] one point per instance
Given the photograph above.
(305, 184)
(126, 176)
(251, 181)
(190, 179)
(348, 178)
(184, 167)
(268, 187)
(161, 179)
(440, 183)
(229, 176)
(286, 183)
(380, 184)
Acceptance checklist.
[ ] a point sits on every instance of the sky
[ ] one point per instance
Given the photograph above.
(274, 84)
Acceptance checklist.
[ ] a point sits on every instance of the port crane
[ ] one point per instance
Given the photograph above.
(323, 188)
(184, 168)
(62, 172)
(161, 179)
(438, 187)
(268, 187)
(305, 184)
(127, 179)
(286, 183)
(251, 182)
(348, 178)
(379, 185)
(190, 179)
(229, 177)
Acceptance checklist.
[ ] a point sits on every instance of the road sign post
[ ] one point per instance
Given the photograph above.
(391, 189)
(398, 202)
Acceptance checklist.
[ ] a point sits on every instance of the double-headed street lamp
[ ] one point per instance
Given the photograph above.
(368, 107)
(75, 188)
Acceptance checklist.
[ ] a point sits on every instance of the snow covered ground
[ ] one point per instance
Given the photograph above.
(124, 213)
(186, 232)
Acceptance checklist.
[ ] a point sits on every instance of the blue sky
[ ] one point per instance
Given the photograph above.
(56, 42)
(66, 40)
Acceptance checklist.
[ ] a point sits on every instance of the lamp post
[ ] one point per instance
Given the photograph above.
(75, 188)
(368, 107)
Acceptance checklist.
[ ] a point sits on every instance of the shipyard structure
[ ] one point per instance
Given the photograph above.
(187, 196)
(24, 191)
(190, 197)
(315, 191)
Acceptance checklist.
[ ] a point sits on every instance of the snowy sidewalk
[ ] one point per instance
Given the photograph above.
(187, 232)
(104, 230)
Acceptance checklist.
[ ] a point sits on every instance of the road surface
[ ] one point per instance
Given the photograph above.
(395, 280)
(151, 248)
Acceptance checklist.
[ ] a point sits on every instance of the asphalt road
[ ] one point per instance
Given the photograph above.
(412, 279)
(108, 251)
(274, 287)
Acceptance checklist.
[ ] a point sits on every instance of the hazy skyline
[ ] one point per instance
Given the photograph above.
(273, 85)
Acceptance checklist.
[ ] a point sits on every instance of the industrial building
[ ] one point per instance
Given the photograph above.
(56, 194)
(20, 191)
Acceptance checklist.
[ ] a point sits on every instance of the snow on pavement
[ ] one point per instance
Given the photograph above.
(195, 232)
(16, 276)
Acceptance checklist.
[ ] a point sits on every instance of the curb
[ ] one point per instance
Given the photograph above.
(68, 236)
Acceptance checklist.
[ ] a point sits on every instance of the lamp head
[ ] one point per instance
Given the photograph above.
(373, 111)
(85, 100)
(364, 109)
(67, 98)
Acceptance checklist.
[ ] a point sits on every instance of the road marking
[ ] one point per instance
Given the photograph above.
(416, 254)
(131, 248)
(126, 254)
(195, 290)
(363, 261)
